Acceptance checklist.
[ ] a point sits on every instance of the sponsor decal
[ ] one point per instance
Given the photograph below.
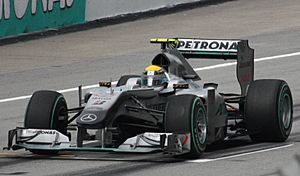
(207, 45)
(19, 7)
(20, 16)
(29, 131)
(88, 118)
(96, 97)
(99, 102)
(47, 132)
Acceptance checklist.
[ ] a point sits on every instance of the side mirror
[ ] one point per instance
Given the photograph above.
(189, 76)
(210, 85)
(105, 84)
(181, 86)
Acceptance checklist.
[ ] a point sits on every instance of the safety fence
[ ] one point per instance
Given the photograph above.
(18, 17)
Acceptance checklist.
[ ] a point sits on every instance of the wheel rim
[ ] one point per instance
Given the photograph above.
(286, 111)
(62, 114)
(53, 111)
(201, 127)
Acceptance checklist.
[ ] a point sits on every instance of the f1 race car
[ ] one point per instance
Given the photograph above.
(167, 108)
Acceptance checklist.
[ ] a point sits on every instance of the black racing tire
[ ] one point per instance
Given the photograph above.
(194, 119)
(123, 80)
(47, 110)
(269, 110)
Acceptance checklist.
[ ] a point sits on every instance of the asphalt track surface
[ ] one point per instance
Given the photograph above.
(86, 57)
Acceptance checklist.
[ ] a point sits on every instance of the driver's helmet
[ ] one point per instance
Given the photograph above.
(154, 76)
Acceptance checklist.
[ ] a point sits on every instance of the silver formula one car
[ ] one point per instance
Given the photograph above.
(168, 107)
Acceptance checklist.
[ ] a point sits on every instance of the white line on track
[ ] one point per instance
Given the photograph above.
(196, 69)
(238, 155)
(256, 60)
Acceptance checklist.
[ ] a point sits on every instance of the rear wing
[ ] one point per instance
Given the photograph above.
(238, 50)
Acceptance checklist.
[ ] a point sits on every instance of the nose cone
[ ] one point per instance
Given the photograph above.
(91, 119)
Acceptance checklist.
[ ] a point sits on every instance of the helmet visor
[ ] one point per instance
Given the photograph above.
(153, 79)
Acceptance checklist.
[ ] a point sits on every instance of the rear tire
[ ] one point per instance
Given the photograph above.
(189, 116)
(269, 110)
(47, 110)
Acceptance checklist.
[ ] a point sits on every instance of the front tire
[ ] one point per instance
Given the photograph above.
(198, 128)
(269, 110)
(188, 117)
(47, 110)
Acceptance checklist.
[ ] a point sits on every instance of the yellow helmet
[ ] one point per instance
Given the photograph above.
(154, 75)
(153, 68)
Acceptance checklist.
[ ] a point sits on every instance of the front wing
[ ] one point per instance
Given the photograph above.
(52, 140)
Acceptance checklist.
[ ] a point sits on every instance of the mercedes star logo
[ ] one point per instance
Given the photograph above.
(88, 118)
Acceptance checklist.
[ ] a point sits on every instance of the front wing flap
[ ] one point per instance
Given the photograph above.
(52, 140)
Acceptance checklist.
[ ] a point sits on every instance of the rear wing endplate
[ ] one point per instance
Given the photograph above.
(238, 50)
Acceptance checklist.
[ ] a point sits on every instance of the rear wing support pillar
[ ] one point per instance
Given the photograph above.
(245, 65)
